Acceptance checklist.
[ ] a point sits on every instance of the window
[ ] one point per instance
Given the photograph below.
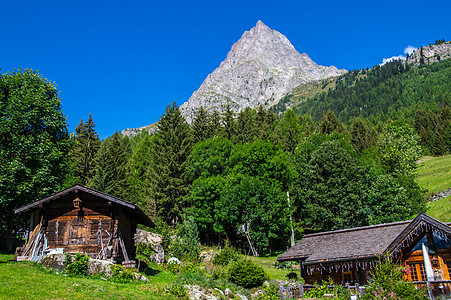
(417, 272)
(347, 277)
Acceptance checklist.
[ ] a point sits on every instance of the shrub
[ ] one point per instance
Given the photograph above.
(328, 287)
(177, 289)
(388, 283)
(292, 276)
(186, 245)
(269, 292)
(122, 274)
(173, 266)
(246, 273)
(226, 255)
(78, 266)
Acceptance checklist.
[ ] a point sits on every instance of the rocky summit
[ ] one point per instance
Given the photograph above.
(261, 68)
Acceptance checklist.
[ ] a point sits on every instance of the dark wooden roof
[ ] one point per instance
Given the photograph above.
(130, 208)
(356, 243)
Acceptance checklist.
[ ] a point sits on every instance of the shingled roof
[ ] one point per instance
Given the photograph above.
(357, 243)
(347, 244)
(131, 208)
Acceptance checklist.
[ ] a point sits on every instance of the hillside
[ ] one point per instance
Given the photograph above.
(434, 175)
(396, 87)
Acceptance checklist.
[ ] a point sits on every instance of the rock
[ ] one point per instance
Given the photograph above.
(53, 261)
(431, 54)
(97, 266)
(260, 69)
(140, 277)
(207, 256)
(155, 241)
(197, 293)
(241, 296)
(228, 292)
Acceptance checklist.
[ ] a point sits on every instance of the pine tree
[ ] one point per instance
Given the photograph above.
(111, 173)
(330, 123)
(245, 126)
(84, 151)
(171, 146)
(201, 128)
(228, 120)
(360, 135)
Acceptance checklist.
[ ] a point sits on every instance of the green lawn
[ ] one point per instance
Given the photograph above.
(440, 210)
(26, 280)
(434, 173)
(272, 272)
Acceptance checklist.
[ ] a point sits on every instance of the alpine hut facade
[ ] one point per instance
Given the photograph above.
(349, 255)
(81, 219)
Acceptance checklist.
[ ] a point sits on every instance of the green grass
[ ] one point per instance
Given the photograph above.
(440, 209)
(27, 280)
(272, 272)
(434, 173)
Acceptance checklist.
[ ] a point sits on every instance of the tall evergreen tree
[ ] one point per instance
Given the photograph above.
(84, 151)
(245, 126)
(228, 120)
(171, 146)
(330, 123)
(290, 129)
(201, 128)
(111, 173)
(360, 135)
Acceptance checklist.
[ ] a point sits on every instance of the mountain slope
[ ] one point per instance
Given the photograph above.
(262, 67)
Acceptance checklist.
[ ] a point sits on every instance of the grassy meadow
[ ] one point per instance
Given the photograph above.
(434, 175)
(27, 280)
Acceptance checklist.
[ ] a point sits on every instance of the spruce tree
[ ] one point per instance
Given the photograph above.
(171, 146)
(201, 128)
(84, 151)
(228, 120)
(111, 173)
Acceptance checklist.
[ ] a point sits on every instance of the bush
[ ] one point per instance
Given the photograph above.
(186, 245)
(122, 274)
(388, 283)
(270, 292)
(177, 289)
(246, 273)
(328, 287)
(292, 276)
(78, 266)
(226, 255)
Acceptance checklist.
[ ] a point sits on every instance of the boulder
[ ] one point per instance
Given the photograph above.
(53, 261)
(97, 266)
(155, 241)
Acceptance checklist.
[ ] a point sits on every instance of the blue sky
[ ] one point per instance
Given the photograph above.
(125, 61)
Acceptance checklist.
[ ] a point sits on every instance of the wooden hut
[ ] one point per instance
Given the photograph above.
(80, 219)
(349, 255)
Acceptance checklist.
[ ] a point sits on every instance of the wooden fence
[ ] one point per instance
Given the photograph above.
(437, 289)
(297, 291)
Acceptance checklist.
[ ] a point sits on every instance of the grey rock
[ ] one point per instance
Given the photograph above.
(97, 266)
(155, 241)
(431, 54)
(261, 68)
(53, 261)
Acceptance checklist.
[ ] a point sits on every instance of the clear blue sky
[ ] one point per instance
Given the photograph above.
(125, 61)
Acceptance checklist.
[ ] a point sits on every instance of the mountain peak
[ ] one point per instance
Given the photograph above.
(261, 68)
(261, 25)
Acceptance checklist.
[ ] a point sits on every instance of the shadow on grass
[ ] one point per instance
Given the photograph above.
(151, 271)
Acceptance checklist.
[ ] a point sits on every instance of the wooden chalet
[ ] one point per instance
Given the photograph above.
(80, 219)
(349, 255)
